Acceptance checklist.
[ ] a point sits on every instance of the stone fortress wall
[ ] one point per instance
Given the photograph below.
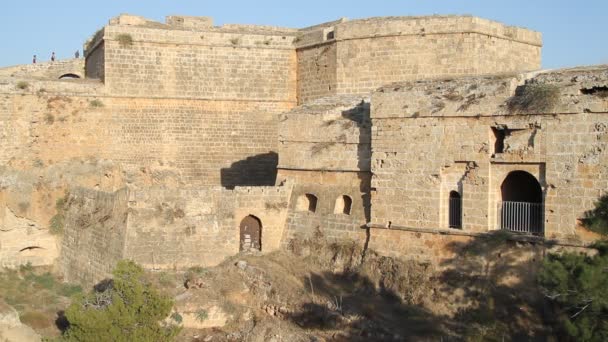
(183, 129)
(358, 56)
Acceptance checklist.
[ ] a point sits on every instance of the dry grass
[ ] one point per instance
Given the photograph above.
(320, 147)
(534, 98)
(37, 295)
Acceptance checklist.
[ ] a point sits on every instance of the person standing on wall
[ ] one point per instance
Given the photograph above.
(53, 56)
(34, 60)
(77, 54)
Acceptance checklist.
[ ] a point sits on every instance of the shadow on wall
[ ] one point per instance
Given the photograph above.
(258, 170)
(360, 116)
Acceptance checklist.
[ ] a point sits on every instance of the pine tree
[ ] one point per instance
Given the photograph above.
(128, 309)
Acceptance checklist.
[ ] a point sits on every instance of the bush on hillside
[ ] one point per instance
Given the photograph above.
(578, 286)
(126, 308)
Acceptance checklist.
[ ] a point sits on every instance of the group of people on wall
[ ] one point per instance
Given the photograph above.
(53, 57)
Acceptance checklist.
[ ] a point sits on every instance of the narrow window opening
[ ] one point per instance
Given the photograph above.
(499, 139)
(455, 210)
(330, 35)
(307, 202)
(343, 205)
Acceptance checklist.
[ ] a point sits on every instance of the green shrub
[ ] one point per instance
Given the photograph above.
(202, 315)
(69, 290)
(124, 39)
(22, 85)
(578, 285)
(58, 221)
(50, 119)
(128, 309)
(177, 318)
(45, 281)
(96, 104)
(596, 220)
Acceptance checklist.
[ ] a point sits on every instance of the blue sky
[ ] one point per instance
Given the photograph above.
(574, 33)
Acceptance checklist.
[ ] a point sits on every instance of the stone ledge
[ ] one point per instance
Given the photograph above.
(512, 235)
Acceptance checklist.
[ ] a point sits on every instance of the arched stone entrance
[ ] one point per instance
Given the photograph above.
(522, 203)
(250, 234)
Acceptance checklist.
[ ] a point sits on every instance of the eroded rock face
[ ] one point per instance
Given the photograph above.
(24, 241)
(11, 328)
(32, 203)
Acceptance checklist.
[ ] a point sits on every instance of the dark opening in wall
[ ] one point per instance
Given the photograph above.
(499, 139)
(330, 35)
(455, 210)
(71, 76)
(307, 202)
(601, 91)
(343, 205)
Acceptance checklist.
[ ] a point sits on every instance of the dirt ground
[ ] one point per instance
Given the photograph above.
(317, 290)
(320, 291)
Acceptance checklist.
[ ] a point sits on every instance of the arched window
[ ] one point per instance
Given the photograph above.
(522, 203)
(307, 202)
(455, 210)
(343, 205)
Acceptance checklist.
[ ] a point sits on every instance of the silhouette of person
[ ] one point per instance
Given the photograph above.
(53, 56)
(34, 60)
(77, 54)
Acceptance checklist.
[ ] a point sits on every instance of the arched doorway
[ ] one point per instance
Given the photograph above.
(251, 234)
(455, 210)
(69, 75)
(522, 203)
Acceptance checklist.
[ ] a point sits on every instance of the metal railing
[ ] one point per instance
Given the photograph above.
(522, 217)
(455, 213)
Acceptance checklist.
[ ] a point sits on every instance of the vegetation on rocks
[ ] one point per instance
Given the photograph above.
(126, 308)
(577, 283)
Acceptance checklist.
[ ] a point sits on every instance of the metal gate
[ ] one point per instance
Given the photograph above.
(522, 217)
(251, 234)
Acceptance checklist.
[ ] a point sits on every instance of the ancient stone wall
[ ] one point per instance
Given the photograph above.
(339, 209)
(46, 70)
(44, 122)
(228, 64)
(355, 57)
(95, 234)
(328, 162)
(430, 138)
(165, 228)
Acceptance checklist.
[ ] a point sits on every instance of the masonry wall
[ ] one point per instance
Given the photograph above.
(199, 226)
(225, 143)
(426, 146)
(317, 67)
(230, 65)
(328, 217)
(373, 52)
(95, 60)
(95, 235)
(332, 133)
(50, 121)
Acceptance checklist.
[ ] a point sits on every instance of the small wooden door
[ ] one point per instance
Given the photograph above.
(251, 234)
